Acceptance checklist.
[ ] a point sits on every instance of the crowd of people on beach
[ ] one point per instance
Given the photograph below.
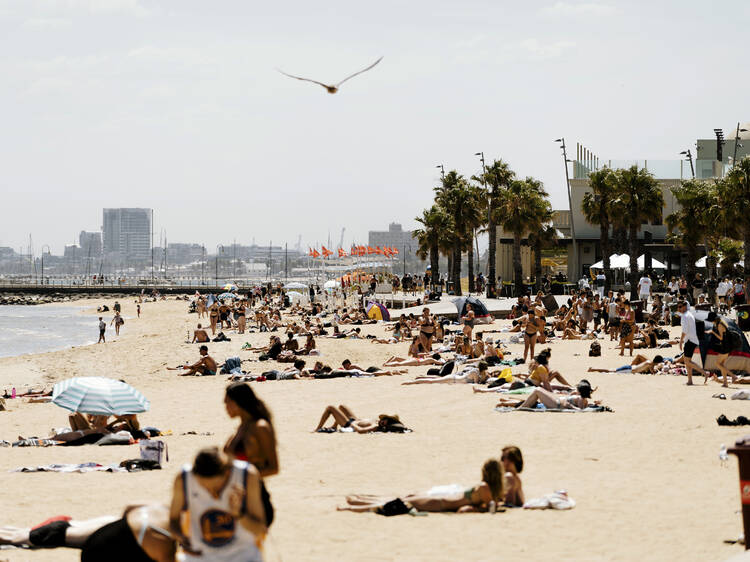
(221, 508)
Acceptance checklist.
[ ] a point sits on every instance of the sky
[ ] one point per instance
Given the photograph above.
(177, 106)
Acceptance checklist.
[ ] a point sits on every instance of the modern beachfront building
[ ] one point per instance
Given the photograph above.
(703, 162)
(127, 233)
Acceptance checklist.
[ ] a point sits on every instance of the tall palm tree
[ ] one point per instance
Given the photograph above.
(495, 177)
(735, 196)
(518, 210)
(434, 224)
(456, 197)
(476, 214)
(638, 199)
(543, 237)
(597, 209)
(685, 226)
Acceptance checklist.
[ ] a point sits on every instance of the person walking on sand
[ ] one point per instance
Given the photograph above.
(117, 321)
(138, 308)
(690, 338)
(102, 329)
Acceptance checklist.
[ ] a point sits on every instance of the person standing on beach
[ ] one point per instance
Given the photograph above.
(138, 308)
(102, 329)
(690, 337)
(644, 289)
(116, 307)
(117, 321)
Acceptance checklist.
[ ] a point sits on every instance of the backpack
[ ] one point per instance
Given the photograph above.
(595, 350)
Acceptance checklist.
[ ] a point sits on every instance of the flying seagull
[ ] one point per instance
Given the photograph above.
(331, 89)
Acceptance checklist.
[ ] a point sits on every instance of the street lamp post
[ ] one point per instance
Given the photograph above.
(737, 143)
(216, 272)
(570, 204)
(491, 269)
(48, 252)
(688, 156)
(442, 170)
(203, 265)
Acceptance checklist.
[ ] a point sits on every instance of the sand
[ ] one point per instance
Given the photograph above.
(647, 478)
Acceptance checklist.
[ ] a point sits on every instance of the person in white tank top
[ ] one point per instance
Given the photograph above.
(217, 512)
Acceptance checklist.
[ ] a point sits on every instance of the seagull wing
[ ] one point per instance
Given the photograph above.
(359, 72)
(303, 79)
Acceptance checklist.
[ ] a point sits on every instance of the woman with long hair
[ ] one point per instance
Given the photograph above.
(484, 496)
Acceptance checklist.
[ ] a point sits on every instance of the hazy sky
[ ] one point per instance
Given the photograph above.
(177, 106)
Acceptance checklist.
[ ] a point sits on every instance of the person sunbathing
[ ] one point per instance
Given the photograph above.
(512, 461)
(206, 365)
(469, 375)
(639, 364)
(345, 418)
(309, 345)
(482, 497)
(541, 375)
(414, 362)
(577, 400)
(138, 536)
(200, 335)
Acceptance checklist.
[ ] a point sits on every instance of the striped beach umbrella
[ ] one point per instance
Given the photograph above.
(99, 396)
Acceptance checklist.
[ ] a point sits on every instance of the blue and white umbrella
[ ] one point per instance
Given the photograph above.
(224, 296)
(99, 396)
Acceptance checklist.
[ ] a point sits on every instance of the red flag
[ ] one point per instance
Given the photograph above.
(378, 250)
(326, 252)
(315, 253)
(370, 250)
(342, 253)
(395, 251)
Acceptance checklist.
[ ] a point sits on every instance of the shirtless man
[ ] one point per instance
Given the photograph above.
(200, 335)
(206, 365)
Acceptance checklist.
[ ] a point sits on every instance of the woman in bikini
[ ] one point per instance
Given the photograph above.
(469, 318)
(577, 400)
(512, 460)
(344, 417)
(627, 328)
(239, 313)
(470, 376)
(213, 316)
(426, 329)
(490, 492)
(530, 330)
(722, 344)
(255, 439)
(140, 535)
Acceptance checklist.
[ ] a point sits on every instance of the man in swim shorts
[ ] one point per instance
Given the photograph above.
(206, 365)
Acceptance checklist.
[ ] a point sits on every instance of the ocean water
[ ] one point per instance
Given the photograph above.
(36, 329)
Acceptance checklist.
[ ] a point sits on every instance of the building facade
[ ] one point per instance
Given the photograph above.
(127, 232)
(394, 237)
(90, 243)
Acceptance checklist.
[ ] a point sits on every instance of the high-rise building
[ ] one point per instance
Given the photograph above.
(127, 232)
(394, 237)
(90, 243)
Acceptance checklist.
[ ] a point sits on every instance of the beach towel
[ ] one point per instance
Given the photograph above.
(741, 395)
(741, 420)
(588, 409)
(555, 500)
(34, 442)
(82, 467)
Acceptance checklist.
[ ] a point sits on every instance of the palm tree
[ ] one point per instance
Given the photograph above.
(429, 238)
(457, 199)
(638, 199)
(476, 212)
(685, 228)
(735, 196)
(543, 237)
(495, 177)
(518, 210)
(596, 209)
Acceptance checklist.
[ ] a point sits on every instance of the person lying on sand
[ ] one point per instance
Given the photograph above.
(200, 335)
(343, 417)
(577, 400)
(482, 497)
(469, 375)
(414, 362)
(639, 364)
(139, 535)
(206, 365)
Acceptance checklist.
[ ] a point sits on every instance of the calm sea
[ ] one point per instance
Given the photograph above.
(35, 329)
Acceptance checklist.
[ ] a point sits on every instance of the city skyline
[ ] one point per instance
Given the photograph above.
(152, 104)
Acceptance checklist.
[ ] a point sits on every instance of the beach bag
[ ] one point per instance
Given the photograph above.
(154, 450)
(595, 349)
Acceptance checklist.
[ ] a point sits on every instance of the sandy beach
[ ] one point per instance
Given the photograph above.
(646, 478)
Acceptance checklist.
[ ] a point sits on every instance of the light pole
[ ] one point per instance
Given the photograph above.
(689, 157)
(442, 170)
(492, 248)
(48, 252)
(737, 143)
(216, 272)
(203, 265)
(570, 204)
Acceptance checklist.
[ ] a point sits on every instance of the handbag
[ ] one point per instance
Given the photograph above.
(154, 450)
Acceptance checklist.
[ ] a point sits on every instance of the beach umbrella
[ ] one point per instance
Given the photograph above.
(481, 313)
(655, 264)
(223, 296)
(99, 396)
(230, 287)
(377, 311)
(295, 285)
(297, 296)
(331, 284)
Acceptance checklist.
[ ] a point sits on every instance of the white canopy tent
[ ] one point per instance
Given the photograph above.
(701, 263)
(622, 261)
